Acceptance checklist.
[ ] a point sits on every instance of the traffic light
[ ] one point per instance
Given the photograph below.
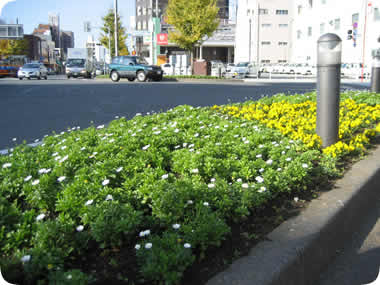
(349, 35)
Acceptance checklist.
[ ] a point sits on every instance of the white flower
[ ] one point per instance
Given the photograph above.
(64, 158)
(148, 245)
(137, 246)
(144, 233)
(55, 154)
(259, 179)
(195, 170)
(63, 147)
(80, 228)
(245, 185)
(177, 146)
(14, 139)
(262, 189)
(218, 143)
(176, 226)
(206, 204)
(111, 140)
(100, 127)
(206, 137)
(176, 130)
(261, 146)
(77, 139)
(105, 182)
(60, 179)
(304, 165)
(269, 161)
(246, 142)
(69, 276)
(279, 169)
(35, 182)
(283, 152)
(62, 133)
(83, 148)
(187, 245)
(40, 217)
(236, 136)
(196, 135)
(26, 179)
(288, 159)
(89, 202)
(212, 180)
(109, 197)
(36, 140)
(157, 133)
(25, 258)
(119, 169)
(146, 147)
(239, 180)
(184, 144)
(258, 156)
(296, 199)
(211, 185)
(57, 158)
(287, 147)
(165, 176)
(6, 165)
(261, 170)
(189, 202)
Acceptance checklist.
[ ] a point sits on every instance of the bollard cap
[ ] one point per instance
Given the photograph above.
(329, 50)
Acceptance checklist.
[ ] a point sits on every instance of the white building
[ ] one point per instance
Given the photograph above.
(263, 31)
(100, 53)
(315, 18)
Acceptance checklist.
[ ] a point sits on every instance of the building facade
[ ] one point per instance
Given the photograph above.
(264, 31)
(357, 23)
(67, 41)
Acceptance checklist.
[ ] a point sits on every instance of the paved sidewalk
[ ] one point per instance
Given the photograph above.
(299, 249)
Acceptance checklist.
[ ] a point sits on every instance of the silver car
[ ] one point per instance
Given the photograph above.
(32, 70)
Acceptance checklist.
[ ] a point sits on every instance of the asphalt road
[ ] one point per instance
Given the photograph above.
(358, 261)
(30, 109)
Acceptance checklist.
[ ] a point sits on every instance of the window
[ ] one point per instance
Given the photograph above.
(283, 25)
(248, 12)
(116, 60)
(299, 34)
(139, 11)
(309, 31)
(282, 43)
(263, 11)
(310, 3)
(376, 14)
(282, 61)
(281, 12)
(144, 25)
(144, 11)
(322, 28)
(266, 25)
(265, 43)
(139, 25)
(337, 24)
(265, 61)
(299, 9)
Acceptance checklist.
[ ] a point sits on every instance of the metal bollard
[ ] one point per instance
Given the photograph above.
(375, 73)
(329, 54)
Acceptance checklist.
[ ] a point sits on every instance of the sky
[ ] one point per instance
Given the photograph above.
(73, 13)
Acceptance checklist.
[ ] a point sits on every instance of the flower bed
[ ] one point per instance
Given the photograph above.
(159, 190)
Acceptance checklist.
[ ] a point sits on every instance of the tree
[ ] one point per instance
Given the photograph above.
(192, 21)
(109, 26)
(14, 47)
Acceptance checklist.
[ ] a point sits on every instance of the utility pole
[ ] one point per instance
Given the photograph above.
(116, 33)
(258, 33)
(364, 32)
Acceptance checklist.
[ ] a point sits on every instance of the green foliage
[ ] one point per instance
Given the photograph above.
(14, 47)
(109, 29)
(192, 21)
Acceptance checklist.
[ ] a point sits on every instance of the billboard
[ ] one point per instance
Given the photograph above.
(162, 39)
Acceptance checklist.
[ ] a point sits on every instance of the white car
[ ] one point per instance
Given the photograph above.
(245, 69)
(32, 70)
(167, 68)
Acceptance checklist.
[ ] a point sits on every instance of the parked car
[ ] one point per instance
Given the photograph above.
(216, 66)
(167, 68)
(32, 70)
(246, 69)
(132, 67)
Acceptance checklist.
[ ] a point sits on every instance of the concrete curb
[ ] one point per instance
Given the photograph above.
(298, 250)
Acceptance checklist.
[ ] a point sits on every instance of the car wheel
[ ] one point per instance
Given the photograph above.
(131, 79)
(157, 78)
(45, 77)
(20, 78)
(115, 77)
(39, 77)
(141, 76)
(68, 77)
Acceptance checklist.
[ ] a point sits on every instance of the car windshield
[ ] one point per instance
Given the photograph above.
(240, 64)
(77, 62)
(31, 65)
(141, 60)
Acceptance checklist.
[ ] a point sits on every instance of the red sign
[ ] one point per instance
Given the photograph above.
(162, 39)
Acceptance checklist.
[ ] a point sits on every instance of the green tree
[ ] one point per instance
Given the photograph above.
(192, 21)
(14, 47)
(109, 27)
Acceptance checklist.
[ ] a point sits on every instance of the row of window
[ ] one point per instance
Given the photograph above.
(266, 12)
(270, 25)
(278, 61)
(267, 43)
(142, 25)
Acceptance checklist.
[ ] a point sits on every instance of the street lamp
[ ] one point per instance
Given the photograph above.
(116, 33)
